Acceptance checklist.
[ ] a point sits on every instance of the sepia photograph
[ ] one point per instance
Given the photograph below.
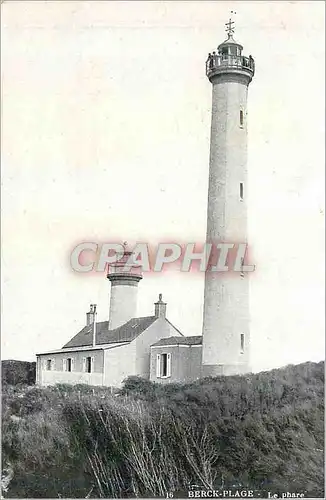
(162, 249)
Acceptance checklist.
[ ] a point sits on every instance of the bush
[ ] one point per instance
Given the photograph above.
(18, 372)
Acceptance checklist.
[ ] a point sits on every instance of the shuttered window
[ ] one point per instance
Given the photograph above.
(67, 364)
(165, 365)
(88, 364)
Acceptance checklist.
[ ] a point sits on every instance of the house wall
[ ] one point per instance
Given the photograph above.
(193, 363)
(112, 365)
(57, 376)
(158, 330)
(185, 363)
(119, 363)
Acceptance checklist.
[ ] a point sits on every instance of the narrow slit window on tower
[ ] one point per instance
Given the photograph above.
(241, 191)
(242, 343)
(242, 273)
(241, 118)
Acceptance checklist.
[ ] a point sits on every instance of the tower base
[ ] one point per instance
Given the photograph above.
(226, 370)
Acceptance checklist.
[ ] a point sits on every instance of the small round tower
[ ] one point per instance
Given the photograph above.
(124, 277)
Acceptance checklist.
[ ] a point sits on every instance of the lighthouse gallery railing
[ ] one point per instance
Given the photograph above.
(229, 61)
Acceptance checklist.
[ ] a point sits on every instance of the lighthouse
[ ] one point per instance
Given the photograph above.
(124, 280)
(226, 318)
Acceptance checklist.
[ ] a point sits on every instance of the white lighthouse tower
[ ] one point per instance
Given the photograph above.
(226, 321)
(124, 280)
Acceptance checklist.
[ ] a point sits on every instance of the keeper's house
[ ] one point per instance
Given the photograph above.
(108, 352)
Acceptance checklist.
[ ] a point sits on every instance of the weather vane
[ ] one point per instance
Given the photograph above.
(229, 25)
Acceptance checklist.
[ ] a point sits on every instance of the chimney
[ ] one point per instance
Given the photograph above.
(90, 315)
(94, 324)
(160, 307)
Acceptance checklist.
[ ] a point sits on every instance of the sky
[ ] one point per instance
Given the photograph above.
(105, 137)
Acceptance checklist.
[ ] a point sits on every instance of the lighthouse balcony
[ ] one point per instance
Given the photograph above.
(124, 272)
(225, 63)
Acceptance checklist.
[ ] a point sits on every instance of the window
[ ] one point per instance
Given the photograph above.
(68, 364)
(241, 191)
(241, 118)
(224, 53)
(88, 364)
(241, 264)
(233, 51)
(242, 343)
(49, 364)
(163, 365)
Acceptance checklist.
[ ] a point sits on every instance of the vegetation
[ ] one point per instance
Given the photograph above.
(17, 372)
(263, 431)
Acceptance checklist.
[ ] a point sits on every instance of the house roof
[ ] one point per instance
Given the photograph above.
(83, 348)
(177, 329)
(125, 333)
(194, 340)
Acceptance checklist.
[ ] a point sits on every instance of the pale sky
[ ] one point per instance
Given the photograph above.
(105, 137)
